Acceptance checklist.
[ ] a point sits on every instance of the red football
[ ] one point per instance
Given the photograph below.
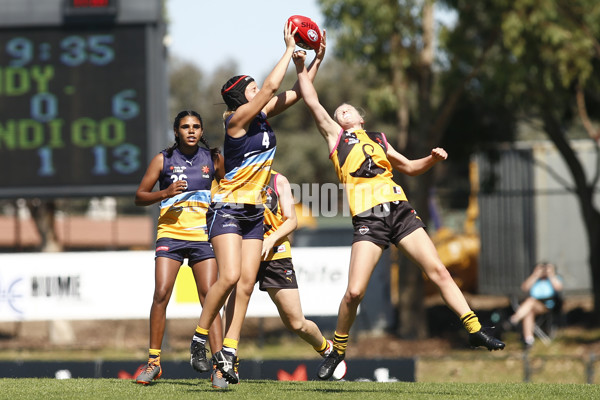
(308, 35)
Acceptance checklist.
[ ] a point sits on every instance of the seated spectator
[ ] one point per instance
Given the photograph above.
(544, 289)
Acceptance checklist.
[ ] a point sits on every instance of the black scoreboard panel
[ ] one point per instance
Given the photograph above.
(73, 109)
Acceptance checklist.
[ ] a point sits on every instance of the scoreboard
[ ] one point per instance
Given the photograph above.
(82, 102)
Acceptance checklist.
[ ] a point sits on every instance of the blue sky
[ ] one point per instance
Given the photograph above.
(211, 33)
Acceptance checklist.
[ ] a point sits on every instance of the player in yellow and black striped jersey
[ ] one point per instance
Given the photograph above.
(235, 218)
(381, 215)
(276, 274)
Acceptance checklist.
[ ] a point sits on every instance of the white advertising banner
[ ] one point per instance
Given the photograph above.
(120, 285)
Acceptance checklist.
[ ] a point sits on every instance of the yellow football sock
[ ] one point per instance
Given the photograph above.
(340, 342)
(153, 355)
(230, 345)
(320, 349)
(201, 331)
(471, 322)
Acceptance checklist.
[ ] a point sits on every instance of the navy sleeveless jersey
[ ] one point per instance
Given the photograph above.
(248, 162)
(184, 216)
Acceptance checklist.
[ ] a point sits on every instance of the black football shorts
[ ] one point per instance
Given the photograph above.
(277, 274)
(386, 223)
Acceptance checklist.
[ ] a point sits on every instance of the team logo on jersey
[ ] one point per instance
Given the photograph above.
(279, 249)
(363, 230)
(397, 190)
(368, 169)
(205, 171)
(269, 192)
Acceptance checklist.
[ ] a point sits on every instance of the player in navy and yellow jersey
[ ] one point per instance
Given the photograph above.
(381, 215)
(185, 173)
(235, 218)
(276, 274)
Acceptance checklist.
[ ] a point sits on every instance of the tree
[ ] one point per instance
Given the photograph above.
(555, 46)
(510, 61)
(191, 89)
(543, 67)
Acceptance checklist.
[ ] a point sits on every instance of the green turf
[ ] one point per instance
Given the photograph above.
(181, 389)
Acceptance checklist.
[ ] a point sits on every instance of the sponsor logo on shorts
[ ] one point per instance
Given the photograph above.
(397, 190)
(363, 230)
(288, 274)
(229, 225)
(279, 249)
(162, 248)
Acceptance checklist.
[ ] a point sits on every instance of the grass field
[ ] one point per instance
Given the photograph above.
(567, 360)
(115, 389)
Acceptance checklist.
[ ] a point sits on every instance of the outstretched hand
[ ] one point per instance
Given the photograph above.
(322, 46)
(439, 154)
(288, 34)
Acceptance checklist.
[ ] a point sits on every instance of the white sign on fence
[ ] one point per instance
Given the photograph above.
(120, 285)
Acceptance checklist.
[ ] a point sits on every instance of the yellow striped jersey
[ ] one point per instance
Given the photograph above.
(248, 162)
(273, 220)
(362, 166)
(184, 216)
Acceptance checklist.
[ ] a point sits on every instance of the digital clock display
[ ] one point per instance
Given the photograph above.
(72, 110)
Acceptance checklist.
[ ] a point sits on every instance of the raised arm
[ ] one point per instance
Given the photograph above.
(284, 100)
(328, 128)
(537, 273)
(417, 166)
(246, 112)
(553, 278)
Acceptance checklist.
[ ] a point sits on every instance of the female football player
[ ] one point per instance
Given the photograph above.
(276, 274)
(381, 215)
(184, 172)
(235, 217)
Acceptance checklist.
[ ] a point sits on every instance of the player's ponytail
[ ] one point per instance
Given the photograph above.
(214, 152)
